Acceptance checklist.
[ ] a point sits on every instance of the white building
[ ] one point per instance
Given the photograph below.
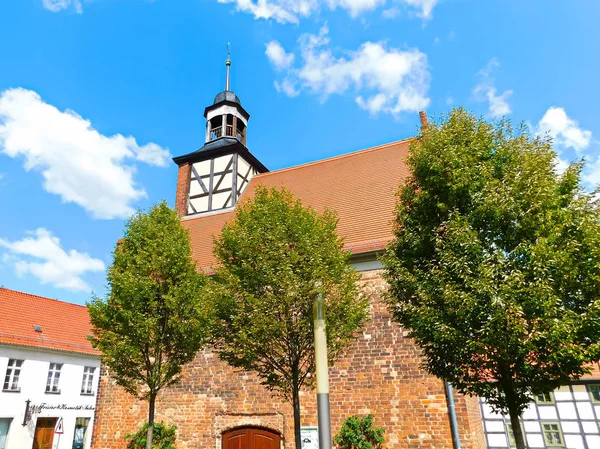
(48, 373)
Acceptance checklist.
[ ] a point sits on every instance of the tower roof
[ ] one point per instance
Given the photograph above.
(228, 98)
(227, 95)
(218, 147)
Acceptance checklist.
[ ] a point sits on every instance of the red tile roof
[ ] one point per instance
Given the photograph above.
(359, 186)
(64, 326)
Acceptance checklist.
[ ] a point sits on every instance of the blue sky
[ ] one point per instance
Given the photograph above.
(97, 95)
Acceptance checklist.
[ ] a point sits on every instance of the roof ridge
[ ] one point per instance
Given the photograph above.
(91, 351)
(45, 340)
(306, 164)
(329, 159)
(42, 297)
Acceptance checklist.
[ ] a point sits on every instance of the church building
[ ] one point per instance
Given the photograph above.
(217, 407)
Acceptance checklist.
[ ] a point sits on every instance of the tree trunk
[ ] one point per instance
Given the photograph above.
(150, 433)
(516, 427)
(514, 414)
(296, 405)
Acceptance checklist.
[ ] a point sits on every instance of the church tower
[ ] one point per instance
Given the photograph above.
(213, 177)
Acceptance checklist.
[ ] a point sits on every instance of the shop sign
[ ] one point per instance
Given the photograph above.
(36, 409)
(33, 409)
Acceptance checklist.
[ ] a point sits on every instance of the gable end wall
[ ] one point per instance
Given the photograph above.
(380, 374)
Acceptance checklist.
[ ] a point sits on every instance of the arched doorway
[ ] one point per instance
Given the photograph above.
(250, 438)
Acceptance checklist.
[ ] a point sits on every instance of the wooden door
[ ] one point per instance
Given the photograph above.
(261, 439)
(44, 433)
(250, 438)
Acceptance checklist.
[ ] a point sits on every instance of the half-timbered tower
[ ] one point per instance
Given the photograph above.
(214, 176)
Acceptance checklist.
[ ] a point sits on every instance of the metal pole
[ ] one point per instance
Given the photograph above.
(322, 375)
(452, 413)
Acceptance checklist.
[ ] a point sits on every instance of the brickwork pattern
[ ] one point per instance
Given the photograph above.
(183, 188)
(594, 373)
(380, 374)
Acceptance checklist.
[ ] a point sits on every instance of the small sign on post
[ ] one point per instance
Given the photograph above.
(59, 428)
(309, 437)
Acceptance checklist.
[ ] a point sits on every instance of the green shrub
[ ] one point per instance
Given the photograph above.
(359, 433)
(163, 437)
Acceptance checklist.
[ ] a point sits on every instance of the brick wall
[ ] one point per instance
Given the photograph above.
(183, 188)
(380, 374)
(594, 373)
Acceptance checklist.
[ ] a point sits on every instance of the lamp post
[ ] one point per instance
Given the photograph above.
(322, 374)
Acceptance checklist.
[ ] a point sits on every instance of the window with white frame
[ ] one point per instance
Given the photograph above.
(87, 383)
(53, 378)
(13, 372)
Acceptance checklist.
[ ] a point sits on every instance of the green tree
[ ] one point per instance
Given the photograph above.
(359, 433)
(153, 319)
(163, 437)
(275, 256)
(495, 266)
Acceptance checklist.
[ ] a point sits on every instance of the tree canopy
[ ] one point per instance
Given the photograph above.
(275, 256)
(154, 319)
(495, 266)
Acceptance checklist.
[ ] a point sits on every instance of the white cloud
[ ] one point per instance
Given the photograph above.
(591, 173)
(384, 80)
(486, 91)
(449, 101)
(77, 163)
(281, 11)
(564, 130)
(424, 8)
(277, 55)
(292, 11)
(286, 87)
(151, 153)
(42, 256)
(571, 142)
(561, 165)
(499, 103)
(355, 7)
(60, 5)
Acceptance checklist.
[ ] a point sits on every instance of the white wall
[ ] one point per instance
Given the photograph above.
(32, 381)
(225, 109)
